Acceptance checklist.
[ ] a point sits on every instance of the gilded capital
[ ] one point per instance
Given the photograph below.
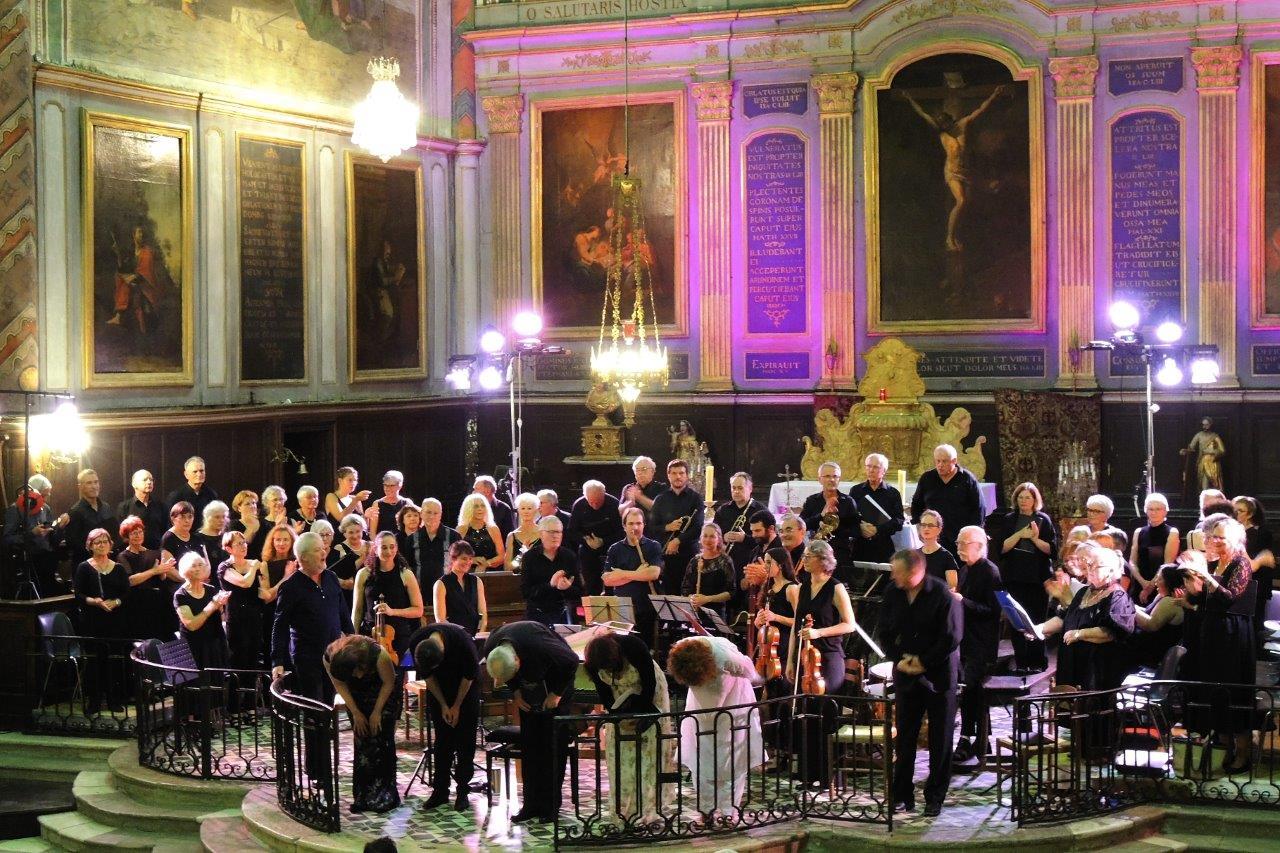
(1074, 76)
(835, 92)
(714, 100)
(503, 112)
(1217, 67)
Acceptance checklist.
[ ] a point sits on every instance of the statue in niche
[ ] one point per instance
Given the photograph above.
(685, 445)
(1207, 449)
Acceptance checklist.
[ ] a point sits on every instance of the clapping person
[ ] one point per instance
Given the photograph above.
(1154, 544)
(210, 533)
(476, 527)
(365, 676)
(199, 608)
(308, 510)
(345, 500)
(279, 564)
(1027, 544)
(445, 658)
(275, 507)
(595, 524)
(152, 582)
(458, 596)
(1159, 624)
(101, 587)
(245, 582)
(248, 522)
(549, 574)
(349, 554)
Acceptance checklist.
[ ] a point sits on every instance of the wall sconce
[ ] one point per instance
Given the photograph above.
(284, 454)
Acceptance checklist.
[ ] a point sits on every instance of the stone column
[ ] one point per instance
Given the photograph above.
(715, 316)
(835, 179)
(465, 324)
(504, 113)
(1074, 79)
(1218, 81)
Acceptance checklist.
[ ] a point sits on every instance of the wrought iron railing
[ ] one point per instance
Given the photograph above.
(305, 735)
(1082, 754)
(205, 723)
(688, 774)
(79, 685)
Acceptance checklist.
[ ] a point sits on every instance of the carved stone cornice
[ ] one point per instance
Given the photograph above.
(714, 100)
(503, 112)
(1074, 76)
(1217, 67)
(835, 92)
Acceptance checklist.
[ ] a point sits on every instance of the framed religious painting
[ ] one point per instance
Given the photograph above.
(1265, 203)
(138, 253)
(579, 146)
(386, 270)
(955, 194)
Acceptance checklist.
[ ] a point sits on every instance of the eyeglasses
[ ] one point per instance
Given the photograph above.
(928, 524)
(1213, 537)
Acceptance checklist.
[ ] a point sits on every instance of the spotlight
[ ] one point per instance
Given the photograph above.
(526, 324)
(491, 341)
(1123, 316)
(459, 378)
(1169, 373)
(490, 378)
(1169, 332)
(1204, 370)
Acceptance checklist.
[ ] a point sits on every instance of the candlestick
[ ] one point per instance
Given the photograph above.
(902, 483)
(711, 482)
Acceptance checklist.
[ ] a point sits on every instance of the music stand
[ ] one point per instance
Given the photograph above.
(675, 608)
(882, 570)
(608, 608)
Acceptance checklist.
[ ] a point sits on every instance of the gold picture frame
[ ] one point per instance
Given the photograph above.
(137, 180)
(378, 311)
(1259, 316)
(1021, 71)
(301, 254)
(677, 323)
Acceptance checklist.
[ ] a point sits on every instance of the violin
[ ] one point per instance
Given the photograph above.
(383, 633)
(811, 680)
(767, 638)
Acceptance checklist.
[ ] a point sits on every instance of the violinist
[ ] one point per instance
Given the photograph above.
(832, 515)
(775, 610)
(826, 600)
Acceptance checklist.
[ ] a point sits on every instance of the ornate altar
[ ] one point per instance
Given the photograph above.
(891, 420)
(602, 439)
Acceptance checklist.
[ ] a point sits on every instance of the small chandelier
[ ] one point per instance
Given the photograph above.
(386, 122)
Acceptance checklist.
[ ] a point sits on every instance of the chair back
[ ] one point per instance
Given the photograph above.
(177, 653)
(1167, 671)
(57, 637)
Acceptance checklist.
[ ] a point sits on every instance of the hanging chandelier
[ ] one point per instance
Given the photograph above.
(629, 354)
(386, 123)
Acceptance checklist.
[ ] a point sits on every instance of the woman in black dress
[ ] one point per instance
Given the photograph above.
(101, 587)
(152, 583)
(475, 525)
(1028, 543)
(1258, 545)
(780, 577)
(827, 601)
(366, 679)
(388, 587)
(708, 579)
(245, 581)
(248, 522)
(199, 609)
(211, 532)
(938, 561)
(275, 508)
(1155, 544)
(277, 558)
(179, 538)
(458, 597)
(1222, 649)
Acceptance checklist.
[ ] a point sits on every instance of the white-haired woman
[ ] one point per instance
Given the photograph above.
(475, 525)
(349, 554)
(274, 506)
(308, 510)
(199, 608)
(1220, 643)
(1154, 544)
(526, 533)
(213, 525)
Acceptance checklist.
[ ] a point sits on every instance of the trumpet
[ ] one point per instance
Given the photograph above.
(740, 523)
(827, 525)
(674, 535)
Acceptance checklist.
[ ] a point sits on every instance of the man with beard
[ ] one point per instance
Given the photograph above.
(677, 516)
(764, 535)
(595, 524)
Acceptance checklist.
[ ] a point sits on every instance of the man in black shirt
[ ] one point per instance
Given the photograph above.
(434, 547)
(829, 504)
(764, 535)
(195, 492)
(642, 492)
(979, 647)
(595, 524)
(547, 575)
(950, 491)
(446, 659)
(880, 506)
(503, 515)
(920, 628)
(310, 614)
(677, 518)
(548, 505)
(541, 668)
(632, 569)
(86, 514)
(734, 517)
(36, 536)
(143, 504)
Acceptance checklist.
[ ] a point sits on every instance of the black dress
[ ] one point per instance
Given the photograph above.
(1257, 540)
(208, 642)
(244, 620)
(1024, 569)
(259, 538)
(462, 601)
(345, 565)
(717, 577)
(1223, 650)
(1096, 666)
(939, 563)
(1152, 539)
(373, 771)
(481, 542)
(177, 546)
(104, 668)
(275, 574)
(389, 585)
(150, 604)
(813, 731)
(211, 547)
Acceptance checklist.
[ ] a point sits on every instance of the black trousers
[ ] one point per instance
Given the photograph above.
(454, 750)
(817, 721)
(591, 565)
(545, 750)
(916, 698)
(1029, 654)
(310, 680)
(973, 700)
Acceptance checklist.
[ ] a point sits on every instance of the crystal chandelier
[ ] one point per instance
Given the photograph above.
(386, 122)
(633, 357)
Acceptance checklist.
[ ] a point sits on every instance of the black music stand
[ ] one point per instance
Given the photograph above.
(608, 608)
(675, 609)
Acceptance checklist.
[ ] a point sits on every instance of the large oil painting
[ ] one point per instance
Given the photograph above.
(1267, 206)
(292, 54)
(386, 270)
(138, 252)
(956, 181)
(579, 147)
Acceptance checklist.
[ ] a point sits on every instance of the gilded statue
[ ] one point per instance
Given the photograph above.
(1207, 448)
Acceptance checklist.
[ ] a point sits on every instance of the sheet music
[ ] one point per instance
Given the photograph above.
(1017, 615)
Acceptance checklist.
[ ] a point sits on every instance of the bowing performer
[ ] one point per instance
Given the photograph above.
(445, 657)
(833, 516)
(880, 506)
(677, 517)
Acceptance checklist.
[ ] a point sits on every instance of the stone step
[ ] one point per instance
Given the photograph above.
(79, 833)
(52, 758)
(227, 835)
(1232, 823)
(98, 798)
(151, 786)
(1154, 844)
(26, 845)
(275, 830)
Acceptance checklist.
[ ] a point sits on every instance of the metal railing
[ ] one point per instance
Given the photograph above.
(79, 686)
(207, 723)
(689, 774)
(1080, 754)
(305, 736)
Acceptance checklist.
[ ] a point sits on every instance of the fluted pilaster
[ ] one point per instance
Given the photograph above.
(504, 114)
(835, 170)
(1074, 80)
(714, 103)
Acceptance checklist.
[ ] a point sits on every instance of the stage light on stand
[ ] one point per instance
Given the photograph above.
(527, 326)
(490, 377)
(59, 437)
(1124, 317)
(1169, 373)
(1204, 370)
(1169, 332)
(492, 341)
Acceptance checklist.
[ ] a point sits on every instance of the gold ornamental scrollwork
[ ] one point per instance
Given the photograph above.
(714, 100)
(773, 48)
(1217, 67)
(605, 59)
(1074, 76)
(835, 92)
(1147, 20)
(503, 112)
(949, 8)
